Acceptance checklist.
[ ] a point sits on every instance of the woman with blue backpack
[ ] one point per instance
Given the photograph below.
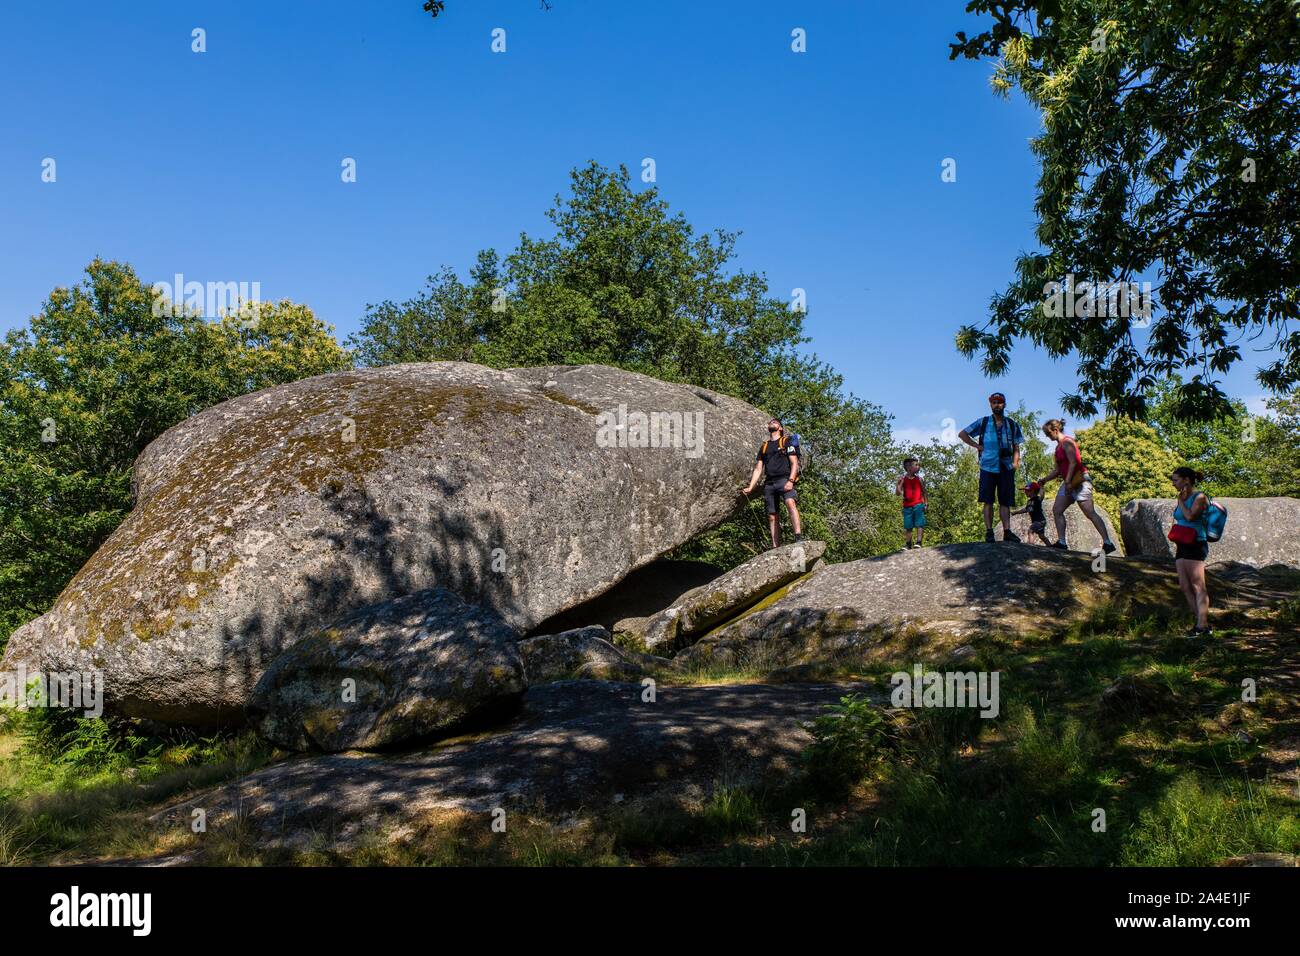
(1191, 535)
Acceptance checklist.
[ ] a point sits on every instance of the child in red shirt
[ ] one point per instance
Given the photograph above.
(912, 488)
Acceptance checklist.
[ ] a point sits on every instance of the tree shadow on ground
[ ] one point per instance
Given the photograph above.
(575, 745)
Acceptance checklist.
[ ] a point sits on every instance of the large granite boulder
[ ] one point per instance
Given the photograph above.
(412, 667)
(927, 601)
(1080, 534)
(703, 607)
(1260, 531)
(260, 520)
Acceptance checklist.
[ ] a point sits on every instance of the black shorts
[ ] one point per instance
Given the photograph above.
(1001, 482)
(774, 491)
(1192, 552)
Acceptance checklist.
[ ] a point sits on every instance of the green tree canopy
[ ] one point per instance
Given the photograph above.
(96, 376)
(1220, 447)
(1126, 459)
(1276, 448)
(1169, 150)
(623, 281)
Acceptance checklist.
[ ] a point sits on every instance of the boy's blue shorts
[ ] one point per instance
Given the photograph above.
(914, 517)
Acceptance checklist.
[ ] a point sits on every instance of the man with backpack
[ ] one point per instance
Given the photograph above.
(778, 459)
(999, 441)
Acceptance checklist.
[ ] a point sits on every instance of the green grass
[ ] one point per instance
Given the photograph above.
(1171, 754)
(76, 785)
(1199, 821)
(1175, 786)
(1288, 613)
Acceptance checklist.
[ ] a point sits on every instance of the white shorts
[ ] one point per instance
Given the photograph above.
(1083, 493)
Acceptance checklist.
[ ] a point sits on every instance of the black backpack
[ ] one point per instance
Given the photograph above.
(804, 453)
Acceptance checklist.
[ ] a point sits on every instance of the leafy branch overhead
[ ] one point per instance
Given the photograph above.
(435, 7)
(1169, 153)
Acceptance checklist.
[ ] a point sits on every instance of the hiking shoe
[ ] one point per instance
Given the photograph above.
(1061, 546)
(1010, 536)
(1201, 632)
(988, 535)
(798, 537)
(1107, 547)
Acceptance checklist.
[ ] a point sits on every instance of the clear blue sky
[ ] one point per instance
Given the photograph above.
(225, 165)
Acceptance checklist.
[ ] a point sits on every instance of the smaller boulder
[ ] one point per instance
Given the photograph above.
(702, 608)
(1260, 532)
(407, 668)
(583, 652)
(646, 635)
(744, 585)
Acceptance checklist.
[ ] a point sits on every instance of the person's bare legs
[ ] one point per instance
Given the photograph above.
(988, 516)
(794, 516)
(1200, 596)
(1058, 515)
(774, 528)
(1091, 513)
(1004, 512)
(1185, 585)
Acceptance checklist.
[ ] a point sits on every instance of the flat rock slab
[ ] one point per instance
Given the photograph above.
(949, 592)
(575, 744)
(647, 590)
(722, 598)
(744, 585)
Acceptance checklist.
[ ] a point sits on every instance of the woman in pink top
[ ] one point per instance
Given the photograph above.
(1076, 486)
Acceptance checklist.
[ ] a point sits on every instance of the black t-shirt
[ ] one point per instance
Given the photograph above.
(1035, 503)
(775, 457)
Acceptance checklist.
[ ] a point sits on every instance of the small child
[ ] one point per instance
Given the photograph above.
(912, 488)
(1034, 508)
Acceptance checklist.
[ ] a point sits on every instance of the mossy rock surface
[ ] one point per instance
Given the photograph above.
(413, 667)
(261, 520)
(584, 652)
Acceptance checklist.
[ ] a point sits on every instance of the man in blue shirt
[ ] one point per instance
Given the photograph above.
(999, 441)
